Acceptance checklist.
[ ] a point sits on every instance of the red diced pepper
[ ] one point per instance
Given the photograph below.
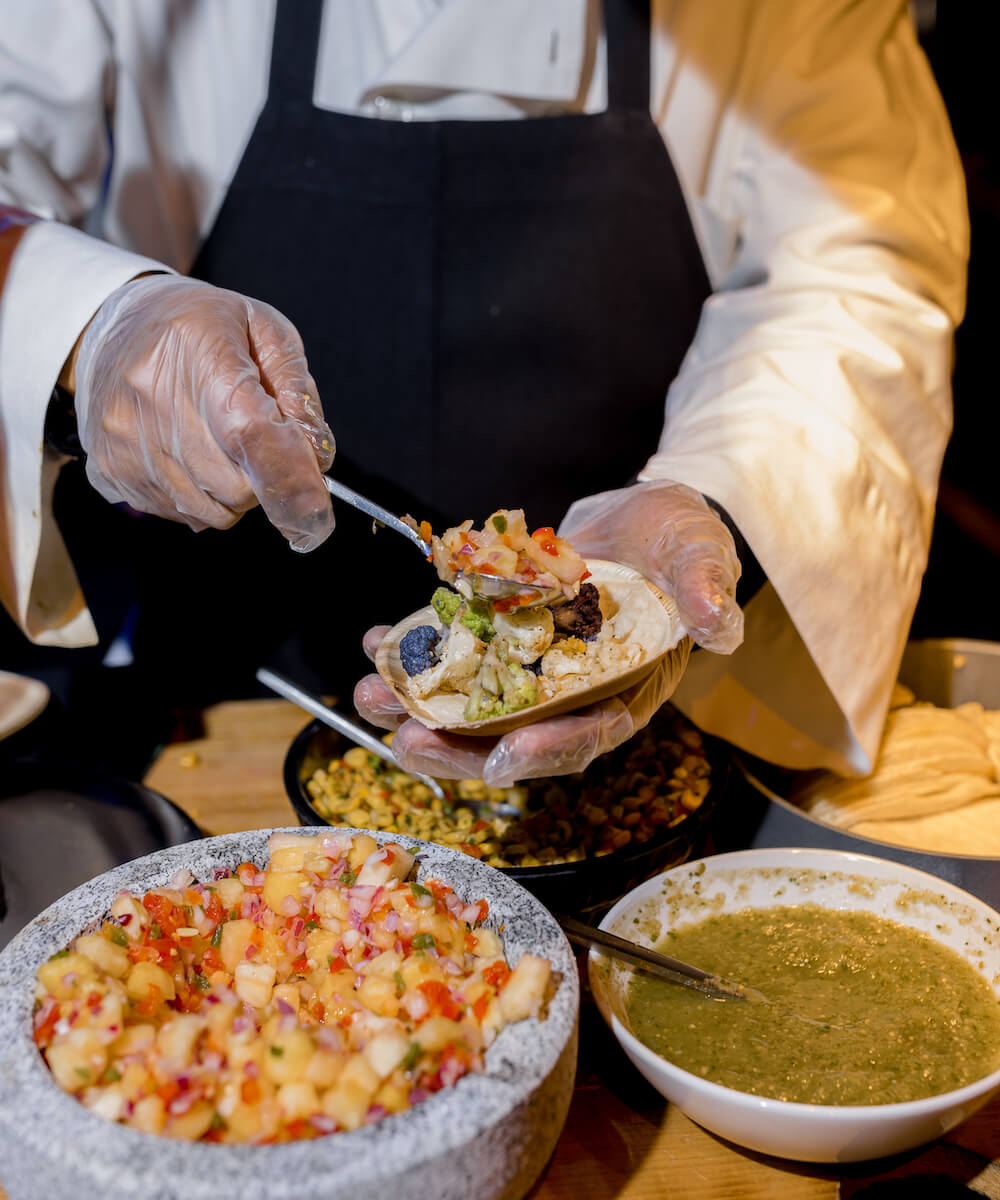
(497, 974)
(43, 1034)
(151, 1002)
(545, 536)
(440, 999)
(164, 912)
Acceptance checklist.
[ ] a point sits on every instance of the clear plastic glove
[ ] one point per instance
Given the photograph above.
(557, 746)
(195, 404)
(668, 532)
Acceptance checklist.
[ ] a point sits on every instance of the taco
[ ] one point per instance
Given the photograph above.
(477, 665)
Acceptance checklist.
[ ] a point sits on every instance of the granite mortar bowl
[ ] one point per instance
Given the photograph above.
(587, 887)
(832, 879)
(488, 1136)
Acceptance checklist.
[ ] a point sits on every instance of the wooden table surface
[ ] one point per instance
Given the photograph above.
(621, 1138)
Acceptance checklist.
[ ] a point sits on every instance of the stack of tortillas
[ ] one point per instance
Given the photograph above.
(935, 786)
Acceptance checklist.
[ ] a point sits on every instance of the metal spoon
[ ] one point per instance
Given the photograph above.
(491, 587)
(658, 964)
(360, 737)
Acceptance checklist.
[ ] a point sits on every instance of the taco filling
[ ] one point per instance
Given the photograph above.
(509, 653)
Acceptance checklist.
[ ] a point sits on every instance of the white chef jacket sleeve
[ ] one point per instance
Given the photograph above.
(815, 404)
(55, 76)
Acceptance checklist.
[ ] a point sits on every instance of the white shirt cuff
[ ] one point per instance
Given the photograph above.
(57, 280)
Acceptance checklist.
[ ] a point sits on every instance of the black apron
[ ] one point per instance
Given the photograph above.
(493, 312)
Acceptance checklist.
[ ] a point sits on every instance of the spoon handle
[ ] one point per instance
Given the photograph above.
(360, 737)
(650, 960)
(376, 511)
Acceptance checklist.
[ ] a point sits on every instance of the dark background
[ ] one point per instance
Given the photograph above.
(961, 591)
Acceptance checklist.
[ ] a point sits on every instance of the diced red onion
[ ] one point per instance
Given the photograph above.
(181, 1104)
(250, 1069)
(181, 879)
(241, 1024)
(289, 906)
(323, 1123)
(416, 1004)
(391, 921)
(284, 1007)
(298, 925)
(418, 1095)
(375, 1113)
(334, 845)
(330, 1037)
(450, 965)
(451, 1072)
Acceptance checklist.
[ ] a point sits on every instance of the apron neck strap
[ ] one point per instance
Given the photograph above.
(626, 28)
(295, 50)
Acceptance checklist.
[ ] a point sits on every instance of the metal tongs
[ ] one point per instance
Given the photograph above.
(329, 716)
(491, 587)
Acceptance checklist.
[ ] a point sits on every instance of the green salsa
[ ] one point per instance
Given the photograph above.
(858, 1010)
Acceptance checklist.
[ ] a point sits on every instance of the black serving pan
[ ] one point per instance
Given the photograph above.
(588, 887)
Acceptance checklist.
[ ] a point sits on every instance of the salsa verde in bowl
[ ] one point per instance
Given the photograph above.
(873, 1020)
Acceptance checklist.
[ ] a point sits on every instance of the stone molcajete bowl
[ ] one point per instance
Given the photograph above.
(488, 1136)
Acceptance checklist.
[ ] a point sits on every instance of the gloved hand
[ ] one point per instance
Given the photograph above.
(668, 533)
(663, 529)
(556, 746)
(195, 403)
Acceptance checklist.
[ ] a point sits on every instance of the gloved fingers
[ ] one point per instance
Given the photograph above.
(127, 470)
(668, 532)
(376, 703)
(645, 698)
(275, 453)
(199, 513)
(373, 639)
(441, 755)
(194, 357)
(284, 374)
(704, 586)
(558, 746)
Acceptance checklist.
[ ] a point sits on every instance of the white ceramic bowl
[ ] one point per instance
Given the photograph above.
(829, 878)
(489, 1136)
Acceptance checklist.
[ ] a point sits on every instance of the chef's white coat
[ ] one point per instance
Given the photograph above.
(825, 189)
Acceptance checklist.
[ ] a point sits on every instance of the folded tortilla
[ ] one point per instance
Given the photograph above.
(636, 604)
(935, 785)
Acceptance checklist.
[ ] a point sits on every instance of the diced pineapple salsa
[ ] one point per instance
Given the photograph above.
(321, 994)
